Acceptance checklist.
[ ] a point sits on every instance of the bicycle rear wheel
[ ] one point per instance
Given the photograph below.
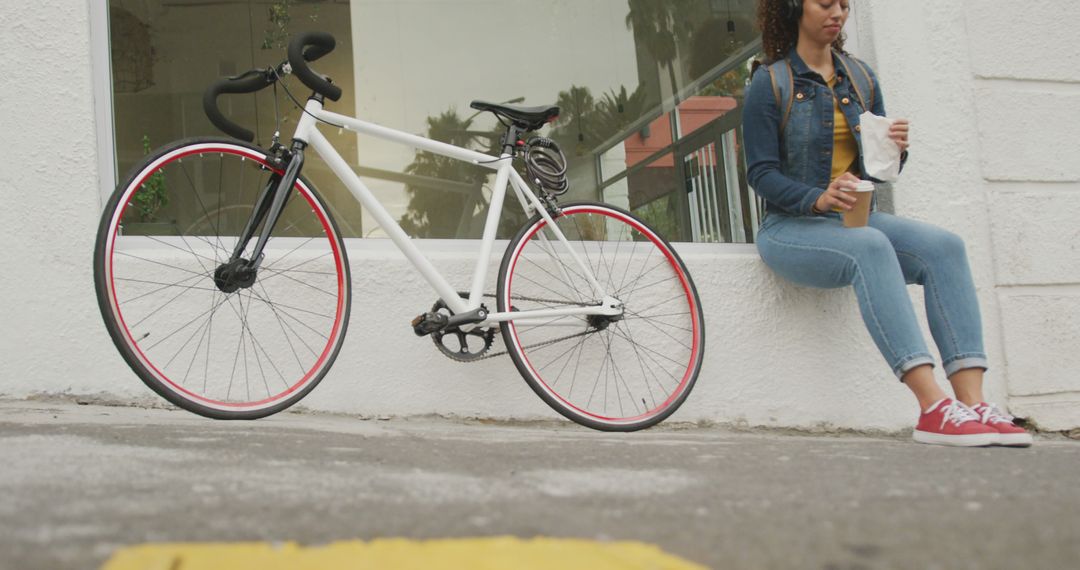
(240, 354)
(614, 374)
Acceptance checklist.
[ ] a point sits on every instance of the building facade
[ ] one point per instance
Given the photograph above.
(651, 95)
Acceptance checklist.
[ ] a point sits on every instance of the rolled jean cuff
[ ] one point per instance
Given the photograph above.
(911, 362)
(969, 360)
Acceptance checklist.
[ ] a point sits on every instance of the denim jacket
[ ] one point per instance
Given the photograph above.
(790, 170)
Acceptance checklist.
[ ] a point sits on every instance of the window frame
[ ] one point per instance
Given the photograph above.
(101, 74)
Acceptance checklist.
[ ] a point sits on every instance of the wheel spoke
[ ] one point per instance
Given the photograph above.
(163, 264)
(257, 353)
(198, 198)
(552, 275)
(163, 286)
(280, 312)
(656, 321)
(638, 366)
(642, 365)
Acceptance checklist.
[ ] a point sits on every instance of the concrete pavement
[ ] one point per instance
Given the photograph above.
(79, 482)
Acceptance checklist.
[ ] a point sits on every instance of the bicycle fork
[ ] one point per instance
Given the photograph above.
(238, 272)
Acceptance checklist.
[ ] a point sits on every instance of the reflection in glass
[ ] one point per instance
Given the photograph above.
(693, 65)
(165, 53)
(639, 82)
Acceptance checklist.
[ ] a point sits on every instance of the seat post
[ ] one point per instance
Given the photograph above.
(510, 138)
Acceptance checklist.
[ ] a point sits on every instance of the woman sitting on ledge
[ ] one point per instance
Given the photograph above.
(801, 127)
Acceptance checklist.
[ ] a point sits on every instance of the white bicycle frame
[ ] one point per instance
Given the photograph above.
(307, 131)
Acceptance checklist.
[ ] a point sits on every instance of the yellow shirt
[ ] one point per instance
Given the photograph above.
(845, 150)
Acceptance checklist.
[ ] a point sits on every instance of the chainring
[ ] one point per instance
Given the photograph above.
(463, 351)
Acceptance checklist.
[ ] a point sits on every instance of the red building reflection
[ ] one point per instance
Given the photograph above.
(658, 178)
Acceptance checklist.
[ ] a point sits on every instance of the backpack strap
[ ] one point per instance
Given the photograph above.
(868, 79)
(862, 81)
(782, 87)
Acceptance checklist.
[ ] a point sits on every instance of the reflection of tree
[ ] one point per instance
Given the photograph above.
(731, 84)
(154, 194)
(615, 111)
(712, 43)
(133, 53)
(279, 14)
(653, 24)
(575, 107)
(438, 213)
(585, 122)
(433, 212)
(692, 34)
(703, 32)
(663, 28)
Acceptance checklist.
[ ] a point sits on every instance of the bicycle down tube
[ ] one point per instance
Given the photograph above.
(307, 132)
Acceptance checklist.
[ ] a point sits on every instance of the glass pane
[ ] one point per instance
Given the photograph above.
(701, 52)
(639, 146)
(613, 67)
(653, 191)
(165, 53)
(633, 79)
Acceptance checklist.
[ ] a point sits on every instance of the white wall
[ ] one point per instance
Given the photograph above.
(778, 355)
(992, 88)
(52, 340)
(1026, 102)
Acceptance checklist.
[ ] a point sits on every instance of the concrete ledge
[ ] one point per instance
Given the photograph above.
(763, 366)
(776, 355)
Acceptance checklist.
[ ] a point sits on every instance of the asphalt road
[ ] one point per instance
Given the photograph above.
(79, 482)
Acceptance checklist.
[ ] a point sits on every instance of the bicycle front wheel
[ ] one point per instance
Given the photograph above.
(228, 352)
(616, 374)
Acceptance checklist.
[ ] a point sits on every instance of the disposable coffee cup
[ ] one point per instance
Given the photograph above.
(859, 215)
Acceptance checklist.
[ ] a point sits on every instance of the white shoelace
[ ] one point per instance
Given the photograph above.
(958, 413)
(990, 413)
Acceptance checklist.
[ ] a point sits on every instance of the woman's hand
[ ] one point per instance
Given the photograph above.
(838, 195)
(898, 132)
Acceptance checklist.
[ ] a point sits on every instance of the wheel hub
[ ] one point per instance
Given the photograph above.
(599, 322)
(234, 275)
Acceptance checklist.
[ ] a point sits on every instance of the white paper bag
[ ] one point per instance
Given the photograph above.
(881, 156)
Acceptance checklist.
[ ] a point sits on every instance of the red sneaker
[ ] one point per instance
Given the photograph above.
(949, 422)
(1008, 433)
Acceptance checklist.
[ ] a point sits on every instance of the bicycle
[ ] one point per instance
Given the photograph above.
(240, 314)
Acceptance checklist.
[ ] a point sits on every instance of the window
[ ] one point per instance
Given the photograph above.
(166, 52)
(650, 92)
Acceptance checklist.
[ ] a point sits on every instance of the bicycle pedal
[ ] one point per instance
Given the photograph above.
(427, 323)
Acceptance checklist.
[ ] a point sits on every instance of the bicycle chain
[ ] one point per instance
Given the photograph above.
(545, 343)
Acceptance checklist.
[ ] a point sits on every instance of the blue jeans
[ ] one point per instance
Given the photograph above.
(879, 260)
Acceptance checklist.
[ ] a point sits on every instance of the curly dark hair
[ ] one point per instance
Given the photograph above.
(779, 35)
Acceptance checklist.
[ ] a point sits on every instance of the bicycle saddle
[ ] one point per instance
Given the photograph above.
(531, 118)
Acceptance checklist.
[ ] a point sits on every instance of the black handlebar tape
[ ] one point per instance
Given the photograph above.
(311, 53)
(307, 47)
(238, 85)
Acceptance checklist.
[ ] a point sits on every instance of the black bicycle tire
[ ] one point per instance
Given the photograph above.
(523, 368)
(101, 290)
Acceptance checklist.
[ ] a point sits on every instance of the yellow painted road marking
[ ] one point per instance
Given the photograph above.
(402, 554)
